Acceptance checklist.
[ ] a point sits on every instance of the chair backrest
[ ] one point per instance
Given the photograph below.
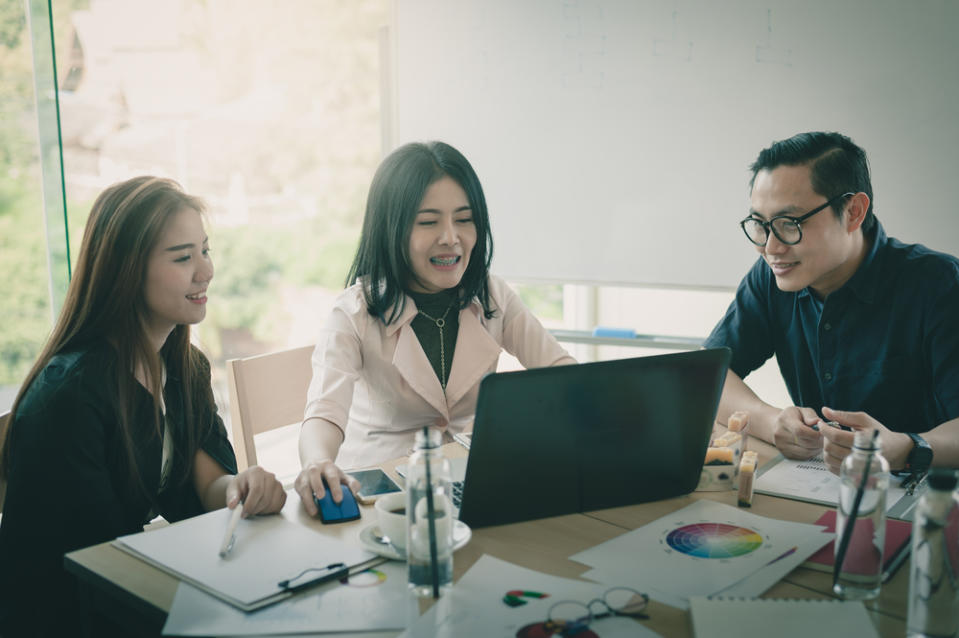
(266, 392)
(4, 422)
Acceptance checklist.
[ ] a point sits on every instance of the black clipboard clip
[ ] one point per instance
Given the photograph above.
(333, 571)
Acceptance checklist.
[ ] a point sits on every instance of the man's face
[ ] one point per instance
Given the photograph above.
(825, 257)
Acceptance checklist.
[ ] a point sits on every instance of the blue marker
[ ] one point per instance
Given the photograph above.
(617, 333)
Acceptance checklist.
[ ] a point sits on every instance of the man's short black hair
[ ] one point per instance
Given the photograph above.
(837, 166)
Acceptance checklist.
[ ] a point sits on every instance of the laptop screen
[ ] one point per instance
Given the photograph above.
(576, 438)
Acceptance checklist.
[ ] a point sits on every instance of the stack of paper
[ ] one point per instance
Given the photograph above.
(724, 617)
(704, 549)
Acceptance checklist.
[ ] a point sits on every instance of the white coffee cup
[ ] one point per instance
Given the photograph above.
(391, 515)
(442, 520)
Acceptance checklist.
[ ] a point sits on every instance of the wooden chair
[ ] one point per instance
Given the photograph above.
(266, 392)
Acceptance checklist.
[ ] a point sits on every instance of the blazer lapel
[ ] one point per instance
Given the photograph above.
(476, 352)
(412, 364)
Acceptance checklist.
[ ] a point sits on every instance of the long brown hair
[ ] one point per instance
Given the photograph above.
(105, 302)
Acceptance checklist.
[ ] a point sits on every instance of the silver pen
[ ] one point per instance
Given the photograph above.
(230, 537)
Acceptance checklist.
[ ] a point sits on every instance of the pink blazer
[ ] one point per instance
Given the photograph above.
(375, 382)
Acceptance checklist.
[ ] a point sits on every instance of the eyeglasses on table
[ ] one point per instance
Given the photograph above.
(573, 618)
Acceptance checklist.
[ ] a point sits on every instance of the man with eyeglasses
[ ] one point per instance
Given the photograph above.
(864, 327)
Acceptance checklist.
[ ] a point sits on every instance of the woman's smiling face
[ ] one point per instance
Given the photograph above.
(442, 238)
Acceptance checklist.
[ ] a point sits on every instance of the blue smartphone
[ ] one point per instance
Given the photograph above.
(330, 512)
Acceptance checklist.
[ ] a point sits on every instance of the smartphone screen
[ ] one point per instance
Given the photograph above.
(374, 482)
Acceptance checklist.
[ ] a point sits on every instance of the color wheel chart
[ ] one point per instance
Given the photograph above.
(692, 542)
(714, 540)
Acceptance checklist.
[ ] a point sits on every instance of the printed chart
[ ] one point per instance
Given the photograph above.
(714, 540)
(702, 549)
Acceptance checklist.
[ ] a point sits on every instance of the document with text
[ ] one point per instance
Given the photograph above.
(812, 481)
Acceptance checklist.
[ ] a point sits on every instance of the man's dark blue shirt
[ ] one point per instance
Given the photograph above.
(886, 343)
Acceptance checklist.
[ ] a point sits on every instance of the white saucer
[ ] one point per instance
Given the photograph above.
(461, 535)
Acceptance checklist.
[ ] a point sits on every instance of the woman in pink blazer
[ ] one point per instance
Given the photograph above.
(420, 324)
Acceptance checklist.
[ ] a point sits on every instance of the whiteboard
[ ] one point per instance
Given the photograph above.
(612, 137)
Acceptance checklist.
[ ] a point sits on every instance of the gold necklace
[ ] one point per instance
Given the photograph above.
(441, 323)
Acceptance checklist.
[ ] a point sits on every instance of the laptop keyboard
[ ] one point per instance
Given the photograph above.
(457, 493)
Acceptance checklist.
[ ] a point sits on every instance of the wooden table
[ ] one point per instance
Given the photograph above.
(141, 595)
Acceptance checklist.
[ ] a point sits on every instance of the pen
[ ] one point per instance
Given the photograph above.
(853, 515)
(230, 537)
(838, 426)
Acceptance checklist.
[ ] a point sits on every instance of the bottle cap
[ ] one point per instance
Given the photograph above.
(942, 479)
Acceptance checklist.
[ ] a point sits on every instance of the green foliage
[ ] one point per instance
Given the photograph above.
(325, 148)
(545, 301)
(26, 314)
(17, 146)
(254, 265)
(13, 22)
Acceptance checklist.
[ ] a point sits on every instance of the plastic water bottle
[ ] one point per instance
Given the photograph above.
(934, 571)
(860, 575)
(427, 466)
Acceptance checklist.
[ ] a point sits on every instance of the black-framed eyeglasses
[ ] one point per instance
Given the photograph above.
(786, 228)
(571, 617)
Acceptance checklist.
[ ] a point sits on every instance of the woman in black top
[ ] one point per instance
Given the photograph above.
(116, 421)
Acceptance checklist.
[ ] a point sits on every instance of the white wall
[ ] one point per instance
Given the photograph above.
(613, 136)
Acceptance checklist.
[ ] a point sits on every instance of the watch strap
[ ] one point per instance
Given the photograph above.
(920, 456)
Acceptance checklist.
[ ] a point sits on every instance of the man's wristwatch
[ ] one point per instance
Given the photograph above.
(920, 457)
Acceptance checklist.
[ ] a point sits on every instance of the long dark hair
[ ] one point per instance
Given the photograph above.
(399, 185)
(105, 303)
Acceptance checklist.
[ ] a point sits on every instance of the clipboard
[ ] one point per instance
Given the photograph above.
(268, 550)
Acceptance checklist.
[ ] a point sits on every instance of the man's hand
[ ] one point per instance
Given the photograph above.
(838, 443)
(794, 435)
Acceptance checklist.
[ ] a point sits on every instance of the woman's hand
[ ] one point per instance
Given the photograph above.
(310, 483)
(258, 490)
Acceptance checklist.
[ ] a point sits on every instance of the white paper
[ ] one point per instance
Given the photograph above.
(756, 584)
(268, 549)
(370, 602)
(760, 550)
(475, 607)
(784, 618)
(811, 481)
